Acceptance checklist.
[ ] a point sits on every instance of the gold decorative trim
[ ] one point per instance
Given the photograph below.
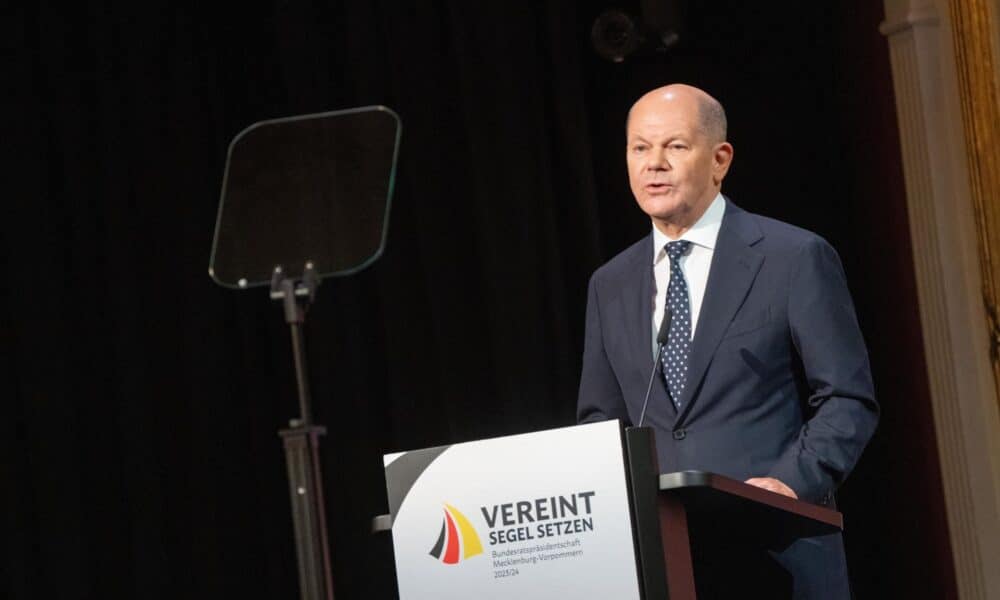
(974, 31)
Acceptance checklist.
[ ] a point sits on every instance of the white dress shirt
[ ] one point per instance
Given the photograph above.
(695, 264)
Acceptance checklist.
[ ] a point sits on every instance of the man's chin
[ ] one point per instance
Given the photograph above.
(663, 211)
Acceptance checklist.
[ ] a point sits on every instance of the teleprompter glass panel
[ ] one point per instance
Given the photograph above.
(308, 188)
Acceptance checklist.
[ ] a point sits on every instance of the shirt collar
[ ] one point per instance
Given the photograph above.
(703, 233)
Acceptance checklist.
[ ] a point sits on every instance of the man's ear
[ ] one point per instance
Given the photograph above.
(721, 159)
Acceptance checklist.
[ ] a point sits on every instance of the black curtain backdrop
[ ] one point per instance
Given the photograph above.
(142, 401)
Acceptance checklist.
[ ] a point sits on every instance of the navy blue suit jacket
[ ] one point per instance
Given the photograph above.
(779, 383)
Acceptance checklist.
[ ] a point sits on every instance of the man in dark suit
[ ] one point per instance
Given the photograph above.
(764, 376)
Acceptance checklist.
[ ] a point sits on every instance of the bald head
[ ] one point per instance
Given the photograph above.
(678, 96)
(677, 155)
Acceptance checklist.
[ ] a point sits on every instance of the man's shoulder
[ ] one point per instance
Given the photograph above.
(779, 235)
(625, 263)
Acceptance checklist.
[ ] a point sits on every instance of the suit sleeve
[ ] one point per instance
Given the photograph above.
(600, 397)
(841, 411)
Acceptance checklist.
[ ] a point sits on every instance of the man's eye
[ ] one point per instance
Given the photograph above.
(638, 149)
(677, 147)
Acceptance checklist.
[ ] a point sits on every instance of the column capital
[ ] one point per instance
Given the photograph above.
(903, 15)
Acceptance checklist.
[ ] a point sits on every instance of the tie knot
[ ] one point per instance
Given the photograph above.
(677, 249)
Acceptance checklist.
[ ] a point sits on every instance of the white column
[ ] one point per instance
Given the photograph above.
(953, 319)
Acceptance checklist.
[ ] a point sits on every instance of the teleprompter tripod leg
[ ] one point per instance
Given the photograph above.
(305, 485)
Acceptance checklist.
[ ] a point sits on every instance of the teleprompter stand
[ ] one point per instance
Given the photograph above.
(301, 441)
(310, 190)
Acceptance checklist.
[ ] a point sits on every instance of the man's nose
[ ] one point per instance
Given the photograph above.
(659, 160)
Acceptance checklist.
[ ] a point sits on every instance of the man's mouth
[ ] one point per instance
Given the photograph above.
(658, 188)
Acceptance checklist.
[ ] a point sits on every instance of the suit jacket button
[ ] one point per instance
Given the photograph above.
(680, 434)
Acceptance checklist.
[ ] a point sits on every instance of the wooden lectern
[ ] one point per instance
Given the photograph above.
(693, 534)
(704, 534)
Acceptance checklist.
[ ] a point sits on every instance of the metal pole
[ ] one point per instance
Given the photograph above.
(305, 486)
(302, 459)
(301, 378)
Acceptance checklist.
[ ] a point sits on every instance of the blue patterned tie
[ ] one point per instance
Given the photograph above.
(674, 356)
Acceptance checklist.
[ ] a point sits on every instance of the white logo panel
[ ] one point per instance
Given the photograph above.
(520, 517)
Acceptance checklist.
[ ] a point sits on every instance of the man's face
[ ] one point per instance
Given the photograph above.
(674, 169)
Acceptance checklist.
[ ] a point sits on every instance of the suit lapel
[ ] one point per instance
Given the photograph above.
(734, 267)
(638, 297)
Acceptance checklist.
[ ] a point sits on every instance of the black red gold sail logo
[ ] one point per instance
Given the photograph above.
(457, 537)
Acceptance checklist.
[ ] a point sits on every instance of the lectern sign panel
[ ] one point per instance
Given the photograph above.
(514, 517)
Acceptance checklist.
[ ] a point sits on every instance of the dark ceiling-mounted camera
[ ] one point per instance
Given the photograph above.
(617, 35)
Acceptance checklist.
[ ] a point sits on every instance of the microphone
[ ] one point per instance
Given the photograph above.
(661, 339)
